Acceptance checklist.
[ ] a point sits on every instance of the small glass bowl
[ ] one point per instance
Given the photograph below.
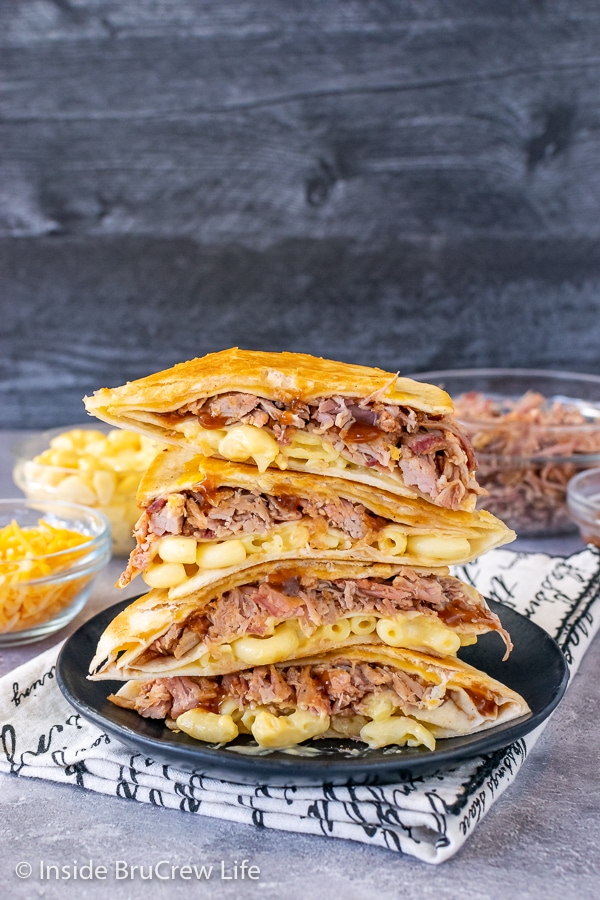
(34, 608)
(528, 454)
(102, 469)
(583, 498)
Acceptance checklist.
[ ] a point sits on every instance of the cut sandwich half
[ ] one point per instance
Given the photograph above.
(291, 609)
(206, 518)
(375, 694)
(299, 412)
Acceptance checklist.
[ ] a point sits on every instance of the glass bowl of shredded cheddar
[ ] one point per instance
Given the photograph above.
(50, 553)
(90, 465)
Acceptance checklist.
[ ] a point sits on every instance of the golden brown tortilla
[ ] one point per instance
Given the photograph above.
(276, 376)
(164, 406)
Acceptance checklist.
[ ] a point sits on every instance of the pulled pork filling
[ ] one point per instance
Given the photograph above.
(431, 451)
(225, 512)
(253, 609)
(336, 688)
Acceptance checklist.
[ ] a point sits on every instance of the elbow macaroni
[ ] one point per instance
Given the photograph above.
(424, 633)
(332, 539)
(291, 536)
(207, 726)
(210, 555)
(278, 732)
(240, 442)
(257, 651)
(164, 574)
(399, 730)
(431, 546)
(418, 633)
(249, 716)
(92, 468)
(220, 555)
(177, 549)
(230, 707)
(222, 656)
(391, 540)
(363, 624)
(335, 631)
(380, 706)
(206, 439)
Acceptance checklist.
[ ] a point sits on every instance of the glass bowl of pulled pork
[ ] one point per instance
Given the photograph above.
(532, 431)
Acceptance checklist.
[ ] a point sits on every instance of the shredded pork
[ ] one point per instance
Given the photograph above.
(337, 688)
(228, 512)
(432, 452)
(254, 609)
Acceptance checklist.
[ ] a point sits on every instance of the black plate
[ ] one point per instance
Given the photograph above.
(536, 669)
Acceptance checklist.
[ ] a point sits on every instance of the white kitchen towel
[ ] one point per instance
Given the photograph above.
(429, 817)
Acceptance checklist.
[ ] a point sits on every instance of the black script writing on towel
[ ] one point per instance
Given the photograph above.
(19, 695)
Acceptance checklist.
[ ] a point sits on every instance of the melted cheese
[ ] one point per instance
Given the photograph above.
(418, 633)
(276, 732)
(308, 451)
(202, 725)
(261, 651)
(400, 730)
(433, 547)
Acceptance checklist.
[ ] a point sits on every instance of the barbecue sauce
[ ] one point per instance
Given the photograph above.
(288, 502)
(280, 578)
(209, 491)
(460, 613)
(295, 408)
(483, 702)
(211, 422)
(212, 705)
(363, 433)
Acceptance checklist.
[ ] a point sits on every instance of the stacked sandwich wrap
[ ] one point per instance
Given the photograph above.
(296, 535)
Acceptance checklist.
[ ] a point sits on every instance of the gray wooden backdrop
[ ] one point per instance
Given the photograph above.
(407, 184)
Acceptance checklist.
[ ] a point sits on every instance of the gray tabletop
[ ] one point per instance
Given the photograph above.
(540, 839)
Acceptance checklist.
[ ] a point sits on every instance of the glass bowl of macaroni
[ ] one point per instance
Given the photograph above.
(90, 465)
(50, 553)
(532, 431)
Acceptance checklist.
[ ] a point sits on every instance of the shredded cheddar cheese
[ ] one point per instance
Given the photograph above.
(28, 556)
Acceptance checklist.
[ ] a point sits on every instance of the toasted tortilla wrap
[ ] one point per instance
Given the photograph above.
(291, 609)
(232, 517)
(299, 412)
(375, 694)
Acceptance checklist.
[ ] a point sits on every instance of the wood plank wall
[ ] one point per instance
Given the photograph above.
(409, 184)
